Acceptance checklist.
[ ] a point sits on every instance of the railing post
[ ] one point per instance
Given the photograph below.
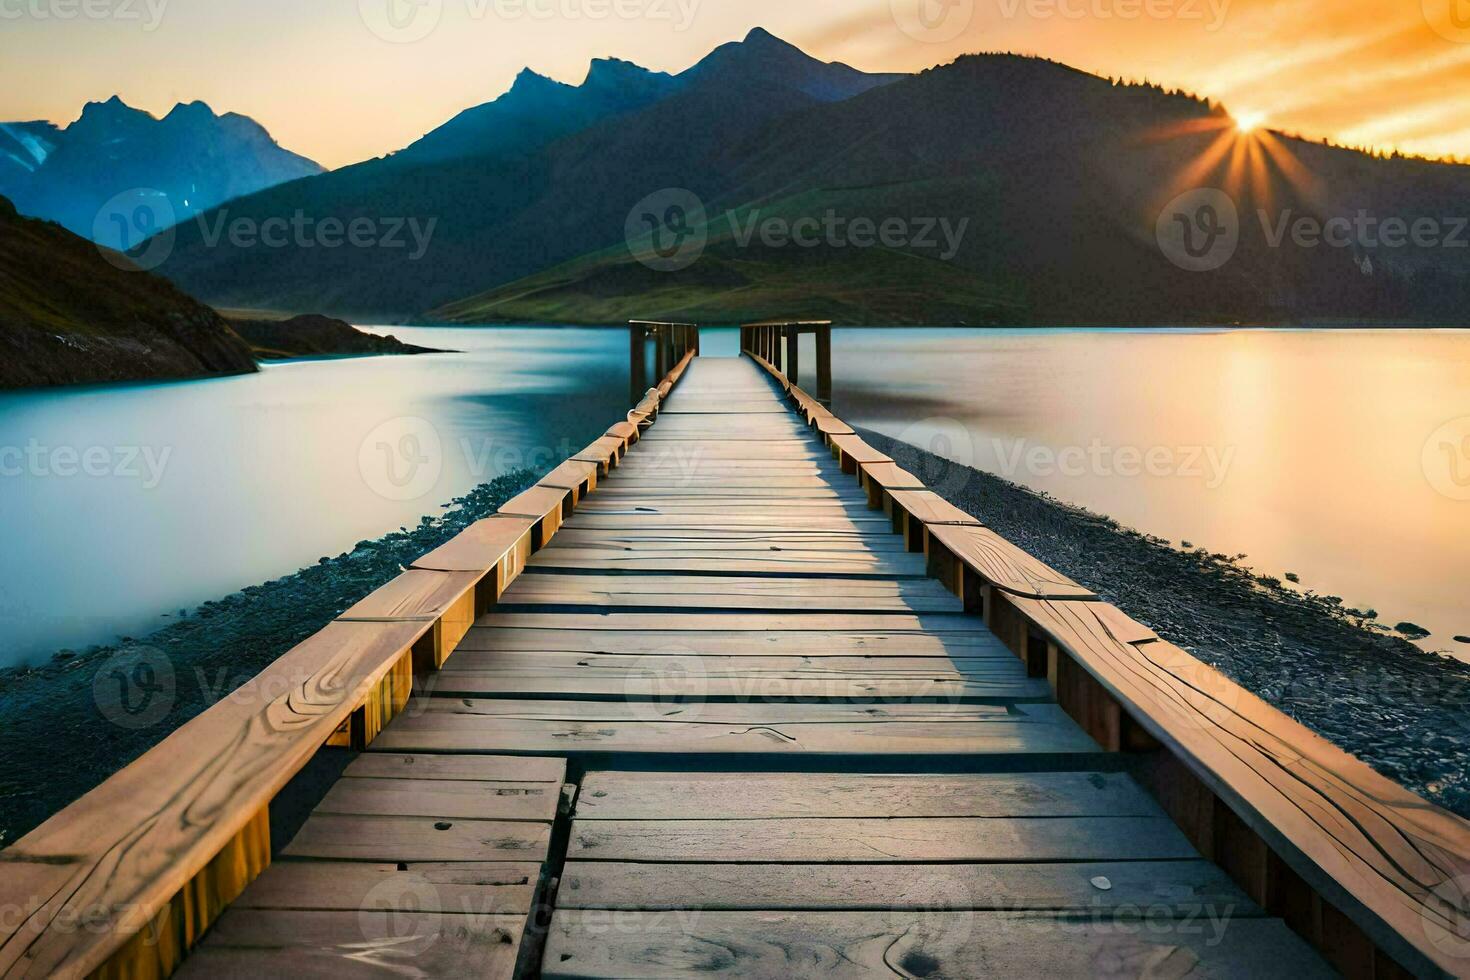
(776, 345)
(637, 362)
(793, 359)
(661, 352)
(824, 365)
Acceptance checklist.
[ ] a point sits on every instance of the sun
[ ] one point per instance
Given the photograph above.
(1249, 122)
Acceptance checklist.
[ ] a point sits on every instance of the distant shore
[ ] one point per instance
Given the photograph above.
(1402, 710)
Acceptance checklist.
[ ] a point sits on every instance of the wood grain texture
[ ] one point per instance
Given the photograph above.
(1162, 889)
(879, 840)
(510, 769)
(1003, 565)
(415, 595)
(496, 542)
(682, 795)
(254, 943)
(925, 942)
(928, 507)
(1373, 846)
(357, 837)
(130, 844)
(461, 887)
(457, 798)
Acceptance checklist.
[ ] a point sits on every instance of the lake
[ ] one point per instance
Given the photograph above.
(1343, 456)
(197, 489)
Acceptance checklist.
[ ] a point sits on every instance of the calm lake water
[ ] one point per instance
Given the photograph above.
(198, 489)
(1343, 456)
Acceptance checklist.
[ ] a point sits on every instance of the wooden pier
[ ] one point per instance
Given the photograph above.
(731, 694)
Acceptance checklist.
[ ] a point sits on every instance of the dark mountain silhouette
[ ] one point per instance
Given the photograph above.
(538, 110)
(71, 312)
(191, 158)
(517, 209)
(1051, 181)
(1059, 178)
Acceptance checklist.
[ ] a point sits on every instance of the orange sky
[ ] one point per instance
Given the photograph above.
(1391, 73)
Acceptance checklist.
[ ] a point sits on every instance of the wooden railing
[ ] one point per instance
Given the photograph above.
(778, 343)
(671, 342)
(123, 882)
(1372, 875)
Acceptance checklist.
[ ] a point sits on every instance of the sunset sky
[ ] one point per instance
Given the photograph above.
(1390, 73)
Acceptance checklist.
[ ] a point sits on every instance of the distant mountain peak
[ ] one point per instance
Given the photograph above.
(604, 71)
(197, 109)
(759, 35)
(528, 80)
(764, 57)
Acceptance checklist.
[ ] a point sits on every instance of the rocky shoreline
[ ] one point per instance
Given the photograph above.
(66, 711)
(1402, 710)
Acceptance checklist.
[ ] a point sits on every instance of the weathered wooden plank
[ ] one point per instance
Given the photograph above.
(684, 795)
(415, 595)
(1149, 889)
(854, 452)
(467, 887)
(1378, 849)
(509, 769)
(376, 942)
(457, 798)
(496, 542)
(355, 837)
(728, 623)
(576, 475)
(120, 854)
(928, 507)
(1002, 564)
(768, 562)
(730, 541)
(686, 592)
(924, 942)
(567, 727)
(788, 520)
(820, 840)
(814, 643)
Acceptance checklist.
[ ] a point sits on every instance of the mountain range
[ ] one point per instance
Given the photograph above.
(1020, 191)
(189, 161)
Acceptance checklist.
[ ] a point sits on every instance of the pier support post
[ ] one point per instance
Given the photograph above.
(637, 362)
(824, 365)
(793, 358)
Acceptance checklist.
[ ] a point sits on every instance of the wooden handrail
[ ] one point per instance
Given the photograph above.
(125, 880)
(1356, 863)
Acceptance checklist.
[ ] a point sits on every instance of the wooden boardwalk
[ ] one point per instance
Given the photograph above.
(797, 757)
(733, 695)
